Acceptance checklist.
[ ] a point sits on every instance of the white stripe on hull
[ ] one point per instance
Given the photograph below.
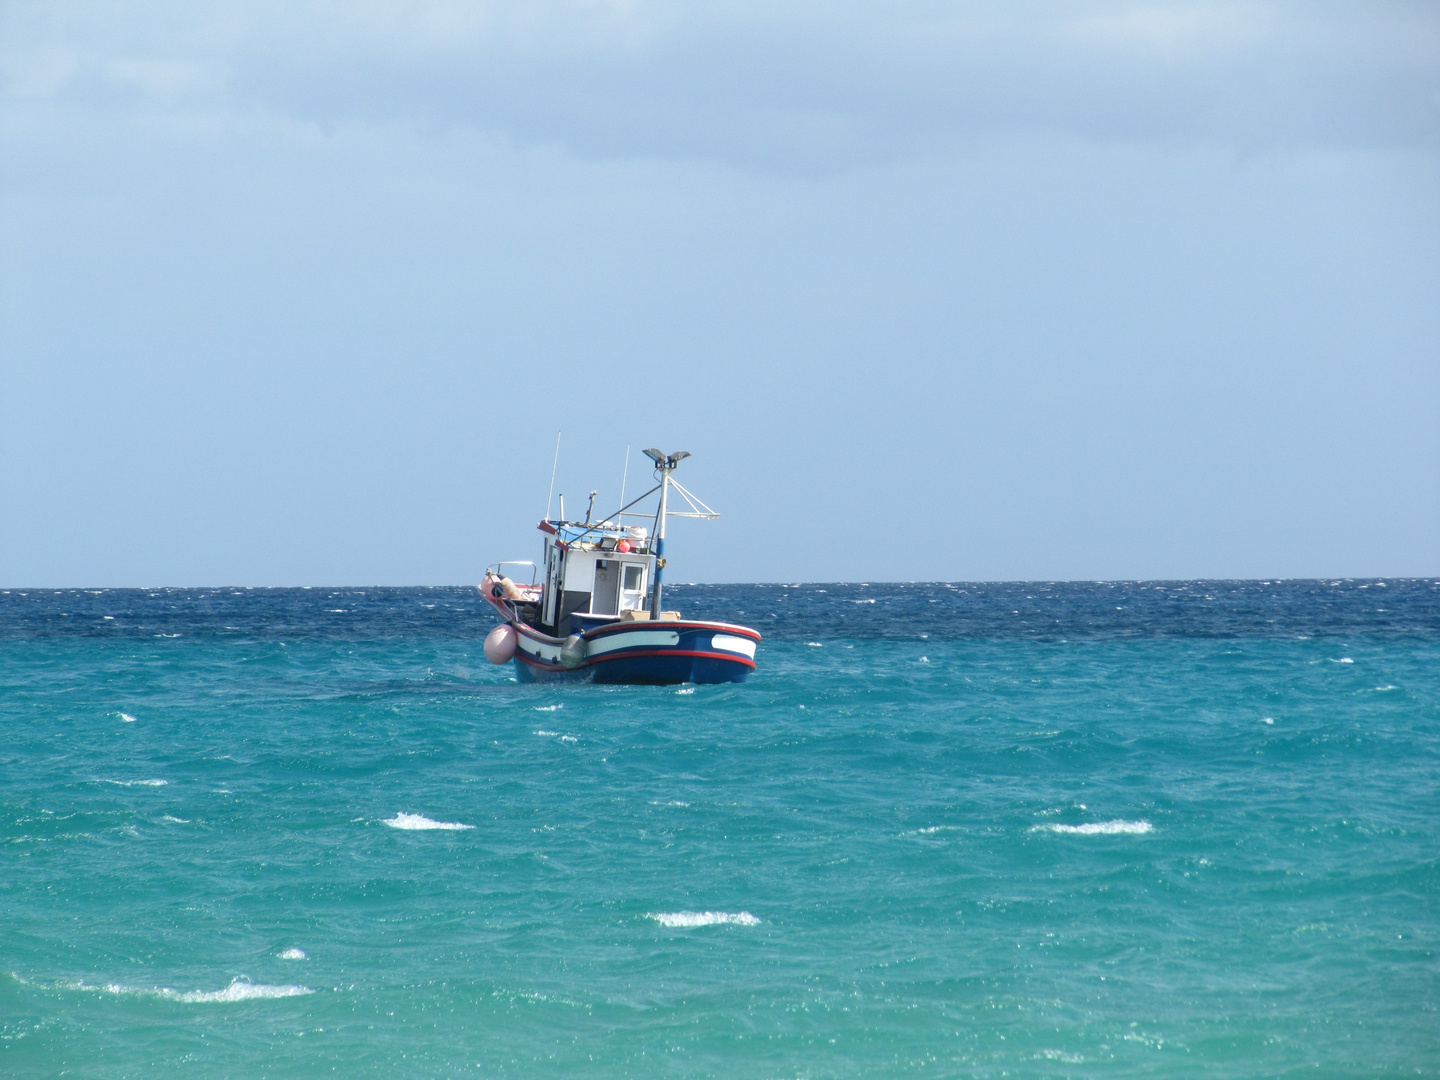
(632, 639)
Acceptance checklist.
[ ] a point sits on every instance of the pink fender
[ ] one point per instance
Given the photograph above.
(500, 645)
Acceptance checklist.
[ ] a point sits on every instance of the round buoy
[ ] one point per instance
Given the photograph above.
(622, 546)
(500, 644)
(572, 653)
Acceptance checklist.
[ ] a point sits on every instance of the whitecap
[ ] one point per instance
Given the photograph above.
(176, 820)
(547, 734)
(1382, 689)
(935, 828)
(546, 708)
(1343, 660)
(813, 644)
(672, 802)
(126, 717)
(685, 919)
(137, 783)
(238, 990)
(293, 954)
(686, 690)
(1096, 828)
(568, 738)
(420, 821)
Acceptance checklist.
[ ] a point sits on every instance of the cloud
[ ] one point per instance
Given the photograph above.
(761, 85)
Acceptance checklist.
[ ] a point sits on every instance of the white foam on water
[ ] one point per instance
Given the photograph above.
(547, 734)
(814, 644)
(935, 828)
(672, 802)
(686, 690)
(1096, 828)
(177, 820)
(293, 954)
(137, 783)
(568, 738)
(126, 717)
(546, 708)
(1267, 720)
(1382, 689)
(421, 822)
(238, 990)
(686, 919)
(1343, 660)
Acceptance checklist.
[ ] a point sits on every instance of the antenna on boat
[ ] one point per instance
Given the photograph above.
(590, 510)
(551, 493)
(625, 475)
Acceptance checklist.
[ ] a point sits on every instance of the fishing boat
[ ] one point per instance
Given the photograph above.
(597, 615)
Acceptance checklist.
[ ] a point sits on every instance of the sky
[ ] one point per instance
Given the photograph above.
(301, 293)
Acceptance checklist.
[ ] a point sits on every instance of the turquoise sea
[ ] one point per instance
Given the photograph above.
(1161, 829)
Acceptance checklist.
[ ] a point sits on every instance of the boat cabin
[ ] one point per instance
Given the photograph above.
(593, 575)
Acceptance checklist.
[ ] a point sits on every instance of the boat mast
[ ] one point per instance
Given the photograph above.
(660, 540)
(666, 465)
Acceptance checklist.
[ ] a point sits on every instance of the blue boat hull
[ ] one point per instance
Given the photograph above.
(658, 653)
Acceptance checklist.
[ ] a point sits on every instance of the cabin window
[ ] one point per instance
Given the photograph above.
(633, 576)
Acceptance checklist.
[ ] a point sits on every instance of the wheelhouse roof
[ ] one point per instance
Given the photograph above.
(571, 531)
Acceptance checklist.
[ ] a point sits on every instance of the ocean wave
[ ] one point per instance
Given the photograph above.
(137, 783)
(545, 708)
(238, 990)
(126, 717)
(420, 821)
(1096, 828)
(679, 919)
(293, 954)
